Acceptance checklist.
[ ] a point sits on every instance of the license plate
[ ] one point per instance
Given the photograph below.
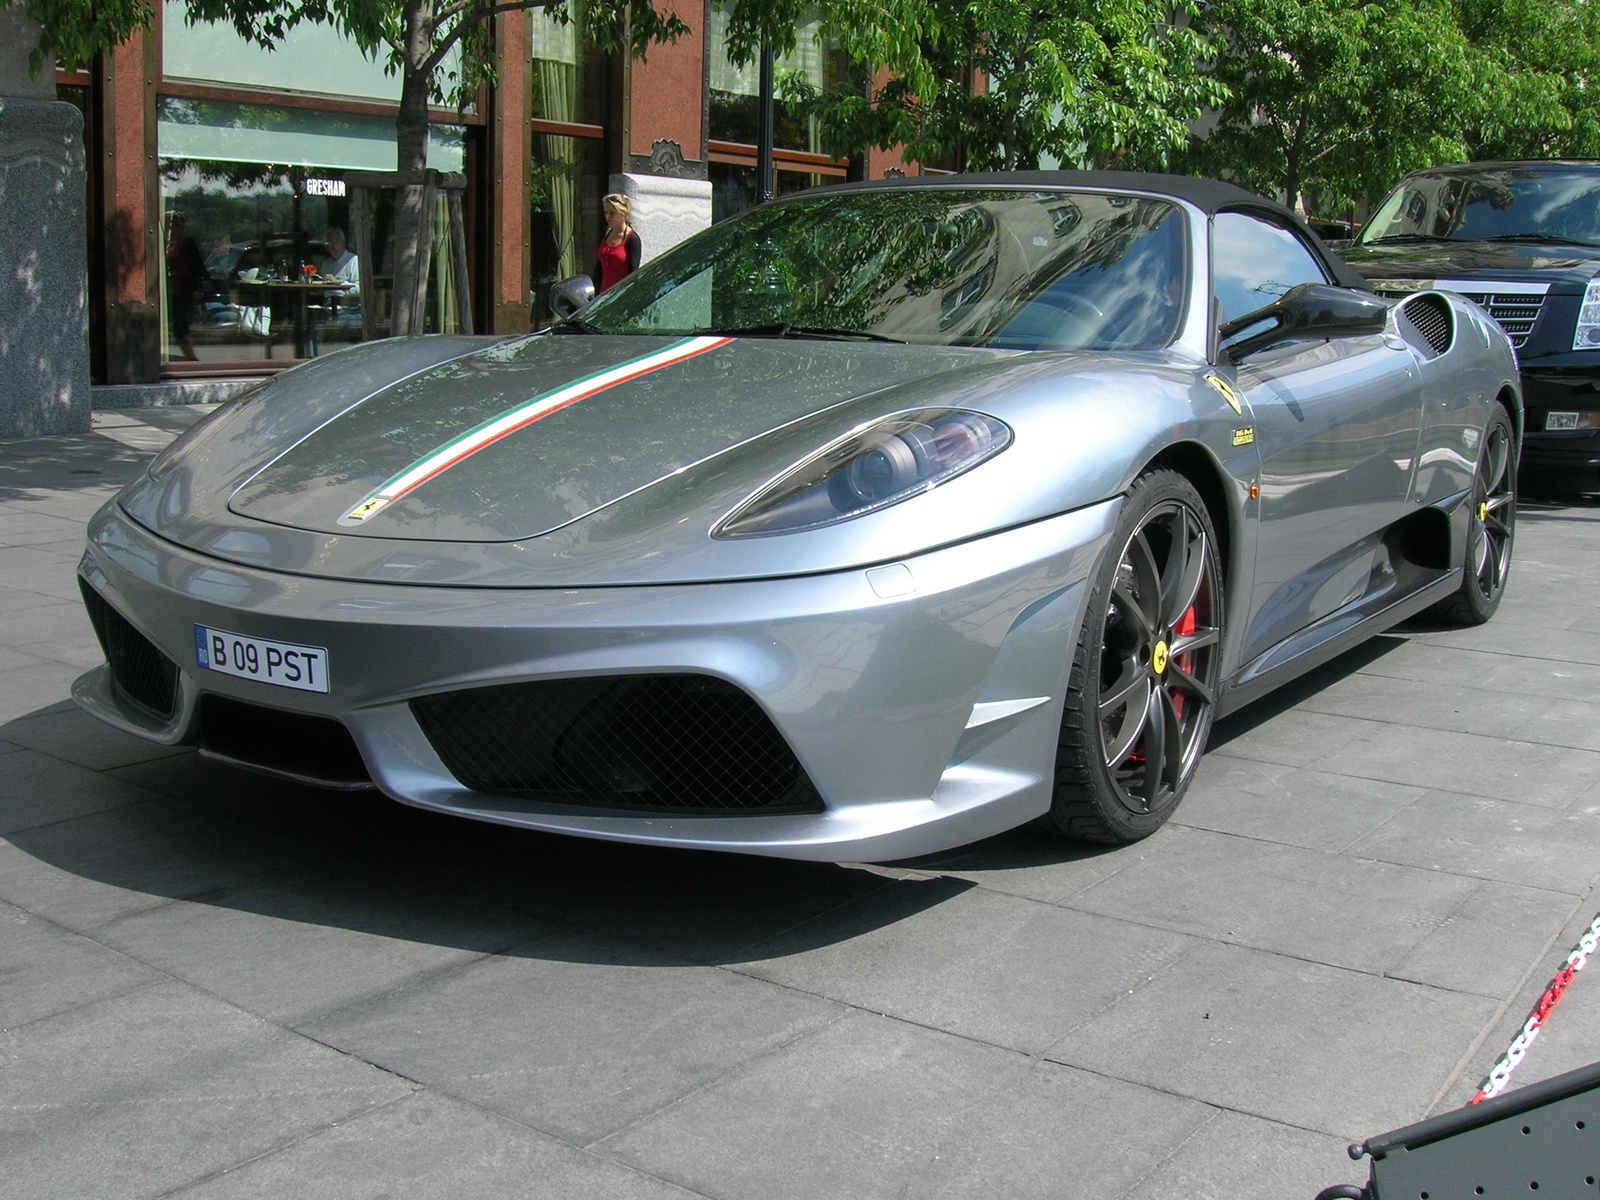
(1560, 420)
(281, 663)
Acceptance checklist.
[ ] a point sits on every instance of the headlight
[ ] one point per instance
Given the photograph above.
(1587, 335)
(889, 461)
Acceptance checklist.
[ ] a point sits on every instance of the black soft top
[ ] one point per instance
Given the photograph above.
(1210, 196)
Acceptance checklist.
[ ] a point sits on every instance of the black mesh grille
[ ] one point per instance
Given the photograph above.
(313, 748)
(140, 672)
(1431, 316)
(650, 743)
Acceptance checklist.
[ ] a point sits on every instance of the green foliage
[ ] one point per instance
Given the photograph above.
(72, 32)
(1086, 82)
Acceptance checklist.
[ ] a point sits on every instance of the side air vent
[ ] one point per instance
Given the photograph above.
(645, 743)
(140, 673)
(1428, 323)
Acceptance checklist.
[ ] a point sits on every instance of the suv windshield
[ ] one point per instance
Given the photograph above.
(1022, 270)
(1511, 204)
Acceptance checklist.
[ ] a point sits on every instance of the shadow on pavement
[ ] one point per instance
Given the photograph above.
(210, 834)
(31, 465)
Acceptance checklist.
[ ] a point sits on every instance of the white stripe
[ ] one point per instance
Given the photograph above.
(518, 416)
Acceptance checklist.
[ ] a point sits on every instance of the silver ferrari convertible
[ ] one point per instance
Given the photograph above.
(862, 525)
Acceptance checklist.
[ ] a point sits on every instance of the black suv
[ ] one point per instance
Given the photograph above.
(1523, 240)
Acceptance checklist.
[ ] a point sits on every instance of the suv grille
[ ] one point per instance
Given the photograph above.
(139, 671)
(1516, 311)
(647, 743)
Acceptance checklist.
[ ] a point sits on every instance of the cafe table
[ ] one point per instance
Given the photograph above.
(299, 293)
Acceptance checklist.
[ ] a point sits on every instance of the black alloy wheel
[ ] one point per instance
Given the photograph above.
(1146, 672)
(1491, 527)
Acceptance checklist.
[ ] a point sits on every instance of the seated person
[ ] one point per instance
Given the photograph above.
(341, 262)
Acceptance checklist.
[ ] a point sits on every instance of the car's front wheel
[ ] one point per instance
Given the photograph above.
(1491, 527)
(1145, 675)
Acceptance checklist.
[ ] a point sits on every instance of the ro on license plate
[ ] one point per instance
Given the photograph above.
(1561, 420)
(281, 663)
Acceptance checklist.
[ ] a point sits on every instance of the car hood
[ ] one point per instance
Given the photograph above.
(523, 437)
(1553, 262)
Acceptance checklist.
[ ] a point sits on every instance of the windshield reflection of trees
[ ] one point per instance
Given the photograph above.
(1022, 270)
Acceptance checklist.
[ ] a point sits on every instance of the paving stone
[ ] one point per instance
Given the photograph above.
(45, 970)
(1321, 1048)
(1464, 707)
(144, 1092)
(1492, 839)
(29, 688)
(1323, 907)
(703, 907)
(1533, 774)
(1297, 807)
(307, 942)
(874, 1108)
(75, 736)
(1237, 1157)
(89, 870)
(1563, 723)
(1293, 738)
(16, 600)
(429, 1147)
(942, 966)
(37, 790)
(1030, 863)
(573, 1034)
(1485, 946)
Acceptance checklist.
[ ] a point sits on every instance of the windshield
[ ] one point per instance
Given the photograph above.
(1024, 270)
(1515, 204)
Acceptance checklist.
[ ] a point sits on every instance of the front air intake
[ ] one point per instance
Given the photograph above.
(302, 746)
(644, 743)
(140, 673)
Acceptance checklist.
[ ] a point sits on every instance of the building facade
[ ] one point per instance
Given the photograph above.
(230, 187)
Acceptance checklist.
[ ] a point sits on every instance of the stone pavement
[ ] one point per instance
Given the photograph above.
(216, 985)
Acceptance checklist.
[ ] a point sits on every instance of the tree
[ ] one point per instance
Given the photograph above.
(414, 36)
(1091, 83)
(1538, 70)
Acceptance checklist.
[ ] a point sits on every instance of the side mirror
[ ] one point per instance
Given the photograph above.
(571, 296)
(1310, 311)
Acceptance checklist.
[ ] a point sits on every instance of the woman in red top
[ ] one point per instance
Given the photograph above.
(619, 248)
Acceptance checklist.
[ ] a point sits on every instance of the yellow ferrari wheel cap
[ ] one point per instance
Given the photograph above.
(1158, 658)
(1483, 510)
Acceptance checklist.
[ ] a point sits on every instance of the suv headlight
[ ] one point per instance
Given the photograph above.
(882, 464)
(1587, 335)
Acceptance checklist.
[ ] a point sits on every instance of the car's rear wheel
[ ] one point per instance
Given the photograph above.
(1491, 527)
(1144, 678)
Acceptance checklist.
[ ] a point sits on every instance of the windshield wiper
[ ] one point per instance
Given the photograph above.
(785, 330)
(1404, 237)
(1548, 238)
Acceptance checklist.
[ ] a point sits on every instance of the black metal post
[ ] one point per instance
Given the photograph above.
(764, 171)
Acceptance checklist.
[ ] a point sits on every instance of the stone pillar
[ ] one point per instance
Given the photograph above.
(665, 209)
(44, 283)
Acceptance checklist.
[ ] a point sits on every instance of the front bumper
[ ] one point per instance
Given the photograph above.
(922, 698)
(1565, 460)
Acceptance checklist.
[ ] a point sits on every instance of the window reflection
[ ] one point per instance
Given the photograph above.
(258, 240)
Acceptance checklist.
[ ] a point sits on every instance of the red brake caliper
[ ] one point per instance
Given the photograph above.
(1184, 628)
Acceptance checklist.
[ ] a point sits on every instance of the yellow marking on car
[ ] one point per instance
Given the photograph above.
(1227, 392)
(1245, 436)
(1483, 510)
(1158, 658)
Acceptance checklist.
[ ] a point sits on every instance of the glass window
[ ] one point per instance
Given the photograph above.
(568, 179)
(312, 58)
(943, 266)
(735, 89)
(1511, 204)
(567, 70)
(252, 196)
(1253, 262)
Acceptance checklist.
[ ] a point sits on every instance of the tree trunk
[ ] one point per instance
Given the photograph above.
(411, 224)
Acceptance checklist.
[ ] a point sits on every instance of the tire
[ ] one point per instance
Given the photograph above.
(1146, 670)
(1491, 527)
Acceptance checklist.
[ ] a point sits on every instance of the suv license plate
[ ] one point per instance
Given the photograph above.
(1561, 420)
(281, 663)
